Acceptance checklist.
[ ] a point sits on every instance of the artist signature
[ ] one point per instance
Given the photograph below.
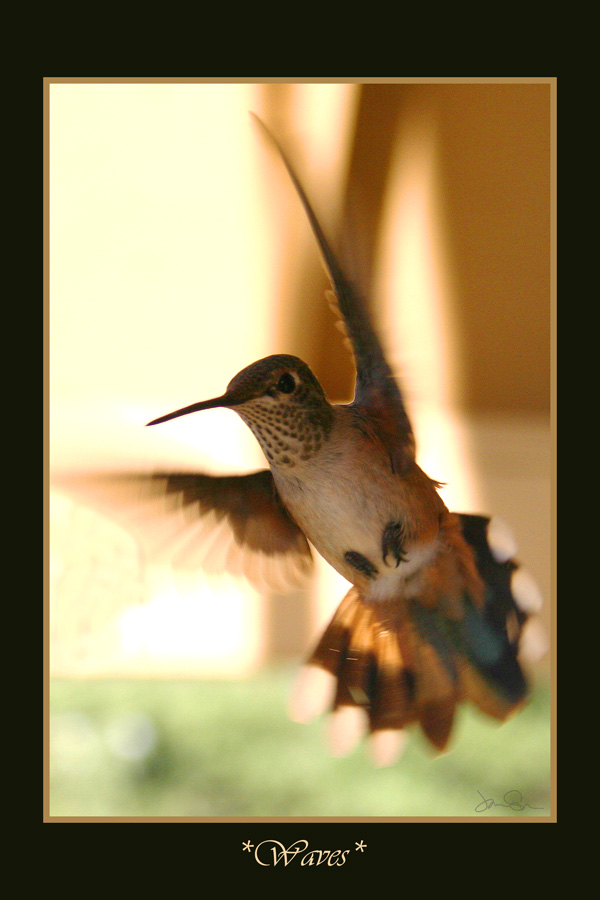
(512, 800)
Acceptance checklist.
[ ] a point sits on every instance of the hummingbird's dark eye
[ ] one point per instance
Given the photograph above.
(286, 384)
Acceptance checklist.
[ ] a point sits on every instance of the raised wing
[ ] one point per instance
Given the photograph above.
(377, 393)
(233, 523)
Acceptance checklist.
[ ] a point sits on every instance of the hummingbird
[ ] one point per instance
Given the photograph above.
(430, 619)
(435, 611)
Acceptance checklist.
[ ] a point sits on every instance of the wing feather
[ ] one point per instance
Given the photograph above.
(377, 393)
(234, 523)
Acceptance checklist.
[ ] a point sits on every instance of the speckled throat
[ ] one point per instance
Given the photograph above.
(289, 432)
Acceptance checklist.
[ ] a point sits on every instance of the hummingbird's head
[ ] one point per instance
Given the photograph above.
(281, 401)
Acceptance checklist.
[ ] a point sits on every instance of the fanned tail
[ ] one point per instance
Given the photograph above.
(398, 664)
(382, 666)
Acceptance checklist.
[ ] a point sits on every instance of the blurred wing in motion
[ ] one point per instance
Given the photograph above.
(234, 523)
(377, 393)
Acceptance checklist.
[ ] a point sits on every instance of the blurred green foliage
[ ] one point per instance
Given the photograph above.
(227, 748)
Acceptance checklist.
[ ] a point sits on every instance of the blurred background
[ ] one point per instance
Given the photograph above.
(178, 254)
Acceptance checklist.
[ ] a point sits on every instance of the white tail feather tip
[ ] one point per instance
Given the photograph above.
(534, 643)
(313, 694)
(348, 724)
(501, 540)
(526, 592)
(386, 746)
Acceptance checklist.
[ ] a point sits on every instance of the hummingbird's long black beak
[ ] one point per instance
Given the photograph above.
(225, 400)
